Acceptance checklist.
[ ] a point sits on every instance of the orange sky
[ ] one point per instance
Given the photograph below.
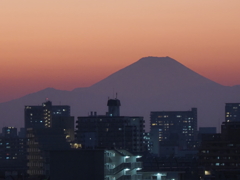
(67, 44)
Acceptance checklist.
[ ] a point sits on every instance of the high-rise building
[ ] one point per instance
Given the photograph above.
(49, 116)
(173, 128)
(111, 130)
(44, 115)
(13, 152)
(232, 112)
(40, 142)
(48, 128)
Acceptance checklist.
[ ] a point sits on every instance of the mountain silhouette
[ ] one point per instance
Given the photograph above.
(150, 84)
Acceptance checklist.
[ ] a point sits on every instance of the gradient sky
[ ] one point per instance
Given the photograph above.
(67, 44)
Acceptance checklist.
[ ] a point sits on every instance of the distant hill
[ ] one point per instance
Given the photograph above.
(150, 84)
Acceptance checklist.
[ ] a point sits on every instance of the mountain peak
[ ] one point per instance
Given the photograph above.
(150, 84)
(159, 60)
(156, 58)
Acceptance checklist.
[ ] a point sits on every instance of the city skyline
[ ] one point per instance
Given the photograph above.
(71, 44)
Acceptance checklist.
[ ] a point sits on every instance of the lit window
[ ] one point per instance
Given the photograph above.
(207, 172)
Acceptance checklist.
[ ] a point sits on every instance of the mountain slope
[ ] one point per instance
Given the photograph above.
(150, 84)
(151, 74)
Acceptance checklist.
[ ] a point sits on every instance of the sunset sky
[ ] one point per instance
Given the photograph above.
(67, 44)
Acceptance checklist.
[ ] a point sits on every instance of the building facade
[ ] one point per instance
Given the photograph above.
(13, 153)
(219, 154)
(48, 128)
(40, 142)
(173, 129)
(111, 130)
(232, 112)
(44, 115)
(94, 164)
(9, 132)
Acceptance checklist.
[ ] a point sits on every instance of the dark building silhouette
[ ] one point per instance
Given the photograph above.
(173, 129)
(111, 130)
(207, 130)
(77, 164)
(94, 164)
(44, 115)
(9, 132)
(48, 128)
(22, 133)
(169, 168)
(219, 154)
(114, 107)
(40, 142)
(232, 112)
(12, 153)
(49, 116)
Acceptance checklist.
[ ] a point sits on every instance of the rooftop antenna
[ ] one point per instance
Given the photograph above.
(116, 95)
(113, 92)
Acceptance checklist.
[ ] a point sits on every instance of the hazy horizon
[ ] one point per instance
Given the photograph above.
(74, 43)
(5, 99)
(150, 84)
